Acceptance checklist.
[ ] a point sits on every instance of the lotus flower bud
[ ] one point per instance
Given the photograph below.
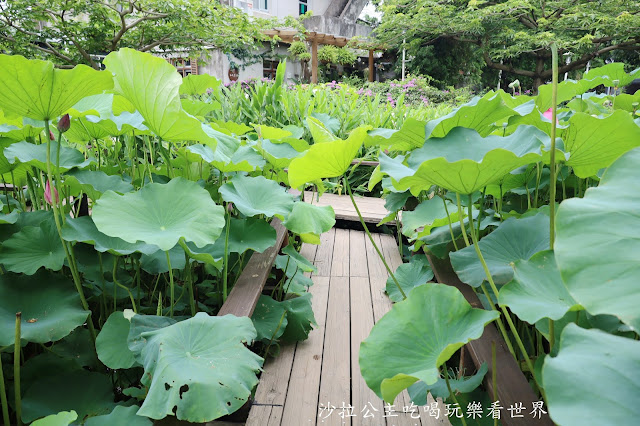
(230, 207)
(64, 123)
(47, 193)
(53, 138)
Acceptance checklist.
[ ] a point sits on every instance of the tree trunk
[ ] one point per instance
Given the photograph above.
(537, 79)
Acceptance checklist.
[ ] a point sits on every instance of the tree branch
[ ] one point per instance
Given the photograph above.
(507, 68)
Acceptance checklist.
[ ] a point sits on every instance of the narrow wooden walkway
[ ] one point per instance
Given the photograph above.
(315, 382)
(371, 208)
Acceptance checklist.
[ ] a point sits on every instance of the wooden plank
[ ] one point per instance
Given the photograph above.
(324, 254)
(361, 324)
(272, 389)
(259, 415)
(340, 261)
(335, 382)
(301, 405)
(244, 296)
(358, 255)
(512, 384)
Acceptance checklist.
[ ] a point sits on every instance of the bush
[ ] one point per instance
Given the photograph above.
(417, 90)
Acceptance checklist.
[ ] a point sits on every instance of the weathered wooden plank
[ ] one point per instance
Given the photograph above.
(335, 382)
(301, 405)
(244, 296)
(357, 255)
(324, 254)
(259, 415)
(361, 324)
(274, 380)
(340, 261)
(513, 387)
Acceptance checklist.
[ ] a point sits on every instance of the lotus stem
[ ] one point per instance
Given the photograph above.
(364, 225)
(273, 336)
(70, 258)
(512, 326)
(446, 210)
(3, 396)
(170, 282)
(226, 257)
(192, 300)
(453, 396)
(115, 281)
(461, 217)
(552, 166)
(16, 370)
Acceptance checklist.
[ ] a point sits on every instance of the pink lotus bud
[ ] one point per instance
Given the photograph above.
(64, 123)
(548, 114)
(230, 207)
(47, 193)
(51, 136)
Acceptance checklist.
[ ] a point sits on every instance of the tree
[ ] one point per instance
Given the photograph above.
(70, 32)
(518, 31)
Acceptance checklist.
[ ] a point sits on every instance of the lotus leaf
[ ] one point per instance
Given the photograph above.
(310, 220)
(111, 343)
(398, 352)
(257, 195)
(161, 215)
(409, 276)
(32, 248)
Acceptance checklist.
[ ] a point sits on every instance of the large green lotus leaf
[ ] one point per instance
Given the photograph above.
(394, 167)
(418, 391)
(87, 393)
(410, 136)
(36, 155)
(141, 324)
(398, 352)
(200, 368)
(231, 127)
(156, 262)
(257, 195)
(32, 248)
(319, 131)
(301, 261)
(243, 159)
(465, 162)
(63, 418)
(120, 416)
(269, 318)
(325, 160)
(94, 183)
(409, 276)
(49, 304)
(513, 240)
(480, 114)
(268, 132)
(279, 155)
(198, 108)
(595, 379)
(36, 89)
(537, 290)
(111, 343)
(198, 84)
(598, 241)
(594, 143)
(158, 99)
(161, 214)
(427, 215)
(300, 318)
(310, 220)
(82, 229)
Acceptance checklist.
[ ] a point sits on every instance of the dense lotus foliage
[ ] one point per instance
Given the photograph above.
(132, 202)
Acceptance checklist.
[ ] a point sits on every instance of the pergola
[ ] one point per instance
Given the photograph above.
(316, 38)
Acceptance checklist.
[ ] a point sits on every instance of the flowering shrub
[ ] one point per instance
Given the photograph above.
(416, 91)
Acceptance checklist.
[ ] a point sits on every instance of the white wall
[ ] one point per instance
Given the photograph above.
(283, 8)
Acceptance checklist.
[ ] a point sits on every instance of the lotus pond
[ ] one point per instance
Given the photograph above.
(132, 201)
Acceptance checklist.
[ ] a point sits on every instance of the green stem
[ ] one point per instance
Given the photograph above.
(461, 217)
(16, 370)
(552, 165)
(70, 259)
(170, 282)
(192, 301)
(552, 333)
(538, 176)
(226, 258)
(115, 281)
(453, 396)
(266, 351)
(501, 326)
(375, 246)
(512, 326)
(3, 396)
(494, 377)
(446, 210)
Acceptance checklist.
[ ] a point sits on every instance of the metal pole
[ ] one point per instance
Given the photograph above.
(404, 51)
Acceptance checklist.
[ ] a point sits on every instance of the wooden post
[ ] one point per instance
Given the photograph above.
(371, 69)
(314, 61)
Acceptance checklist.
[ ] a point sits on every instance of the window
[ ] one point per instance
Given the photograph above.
(261, 4)
(269, 68)
(184, 66)
(303, 7)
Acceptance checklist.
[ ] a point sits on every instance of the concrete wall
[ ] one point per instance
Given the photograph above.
(283, 8)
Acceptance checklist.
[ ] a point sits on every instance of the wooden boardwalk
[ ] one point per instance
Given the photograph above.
(371, 208)
(318, 381)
